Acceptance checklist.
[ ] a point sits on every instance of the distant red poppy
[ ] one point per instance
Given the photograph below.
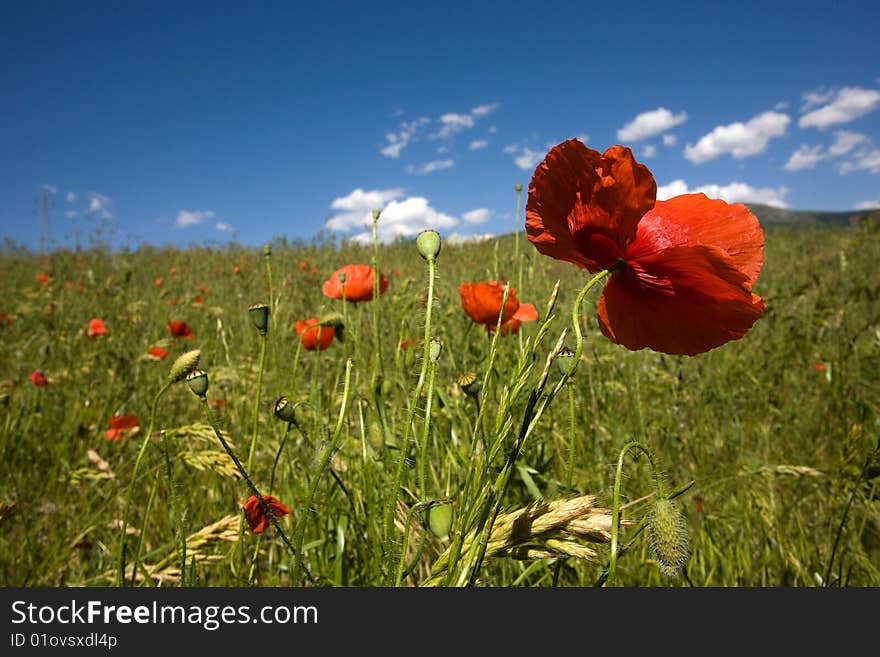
(198, 301)
(256, 517)
(236, 269)
(5, 320)
(171, 302)
(158, 353)
(819, 367)
(482, 303)
(39, 379)
(157, 281)
(119, 425)
(312, 335)
(358, 283)
(180, 330)
(172, 269)
(96, 328)
(407, 343)
(216, 403)
(303, 265)
(43, 278)
(203, 288)
(683, 269)
(68, 285)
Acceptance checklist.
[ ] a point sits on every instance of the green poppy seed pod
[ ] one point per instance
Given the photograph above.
(469, 384)
(440, 520)
(518, 187)
(434, 349)
(564, 360)
(284, 410)
(376, 214)
(267, 250)
(259, 313)
(184, 364)
(428, 244)
(197, 380)
(668, 537)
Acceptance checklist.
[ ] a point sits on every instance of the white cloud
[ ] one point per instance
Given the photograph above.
(867, 205)
(99, 205)
(478, 144)
(46, 187)
(430, 167)
(186, 218)
(845, 141)
(492, 129)
(581, 138)
(483, 110)
(70, 197)
(735, 192)
(806, 157)
(366, 201)
(458, 238)
(649, 151)
(399, 140)
(867, 159)
(70, 214)
(815, 98)
(525, 158)
(405, 218)
(669, 140)
(223, 227)
(442, 149)
(846, 105)
(452, 123)
(649, 124)
(781, 105)
(477, 215)
(739, 139)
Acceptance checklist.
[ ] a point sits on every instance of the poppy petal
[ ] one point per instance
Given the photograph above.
(526, 312)
(358, 283)
(583, 206)
(682, 300)
(692, 219)
(482, 302)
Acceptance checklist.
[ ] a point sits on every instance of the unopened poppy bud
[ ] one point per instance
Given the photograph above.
(668, 537)
(440, 520)
(334, 320)
(428, 244)
(564, 360)
(469, 384)
(259, 313)
(342, 277)
(267, 250)
(434, 349)
(184, 364)
(284, 410)
(197, 380)
(376, 214)
(518, 187)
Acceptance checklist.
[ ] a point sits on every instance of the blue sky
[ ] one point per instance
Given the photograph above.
(190, 123)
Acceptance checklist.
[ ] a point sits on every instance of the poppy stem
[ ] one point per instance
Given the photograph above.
(326, 455)
(615, 511)
(120, 577)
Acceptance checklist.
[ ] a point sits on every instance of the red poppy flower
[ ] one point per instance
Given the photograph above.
(68, 285)
(43, 278)
(39, 379)
(180, 330)
(819, 367)
(683, 269)
(198, 301)
(96, 328)
(482, 303)
(303, 265)
(358, 283)
(203, 288)
(256, 517)
(172, 269)
(119, 425)
(158, 353)
(158, 282)
(312, 335)
(236, 269)
(526, 312)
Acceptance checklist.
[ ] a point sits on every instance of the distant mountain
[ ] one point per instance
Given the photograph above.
(770, 216)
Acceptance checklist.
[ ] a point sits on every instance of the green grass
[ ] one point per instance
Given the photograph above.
(782, 457)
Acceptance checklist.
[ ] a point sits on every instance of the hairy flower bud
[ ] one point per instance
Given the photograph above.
(668, 537)
(184, 364)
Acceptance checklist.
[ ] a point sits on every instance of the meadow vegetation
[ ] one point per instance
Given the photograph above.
(768, 445)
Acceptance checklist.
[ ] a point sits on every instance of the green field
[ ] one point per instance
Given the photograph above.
(768, 445)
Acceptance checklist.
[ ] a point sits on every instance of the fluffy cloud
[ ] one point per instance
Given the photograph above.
(478, 144)
(223, 227)
(483, 110)
(186, 218)
(477, 216)
(735, 192)
(669, 140)
(524, 157)
(458, 238)
(649, 151)
(649, 124)
(99, 205)
(739, 139)
(430, 167)
(805, 157)
(866, 159)
(845, 141)
(399, 140)
(453, 123)
(70, 197)
(843, 106)
(867, 205)
(51, 189)
(398, 218)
